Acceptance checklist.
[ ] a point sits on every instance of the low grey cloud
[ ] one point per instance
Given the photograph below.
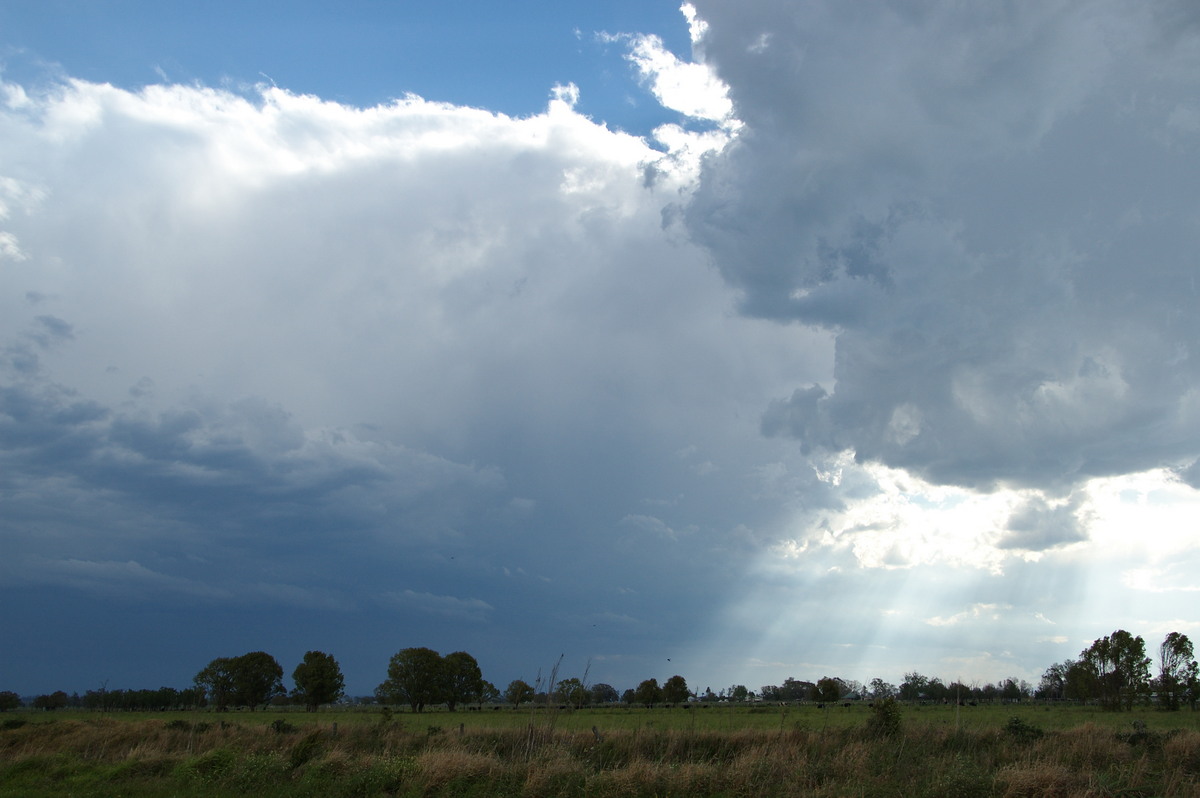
(462, 609)
(993, 211)
(1038, 525)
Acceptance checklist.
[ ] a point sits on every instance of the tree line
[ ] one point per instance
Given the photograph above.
(1114, 671)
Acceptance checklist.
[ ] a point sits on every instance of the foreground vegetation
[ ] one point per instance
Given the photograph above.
(751, 751)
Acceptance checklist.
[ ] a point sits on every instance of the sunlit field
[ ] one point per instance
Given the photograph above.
(998, 750)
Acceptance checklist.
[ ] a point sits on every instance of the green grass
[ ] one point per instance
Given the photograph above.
(718, 717)
(721, 751)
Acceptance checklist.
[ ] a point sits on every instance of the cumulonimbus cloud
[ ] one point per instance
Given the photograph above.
(994, 211)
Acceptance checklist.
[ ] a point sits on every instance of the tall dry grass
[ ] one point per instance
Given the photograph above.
(103, 756)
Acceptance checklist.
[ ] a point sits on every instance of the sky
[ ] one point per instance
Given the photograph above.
(736, 341)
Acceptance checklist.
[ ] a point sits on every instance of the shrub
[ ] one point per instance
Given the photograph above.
(1022, 730)
(885, 718)
(281, 726)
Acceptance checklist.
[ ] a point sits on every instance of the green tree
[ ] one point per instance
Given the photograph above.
(1177, 671)
(518, 692)
(571, 691)
(675, 690)
(913, 686)
(416, 676)
(215, 683)
(648, 693)
(463, 679)
(1120, 668)
(935, 690)
(1081, 681)
(56, 700)
(739, 692)
(829, 689)
(257, 678)
(9, 700)
(1053, 685)
(605, 694)
(488, 693)
(318, 680)
(881, 689)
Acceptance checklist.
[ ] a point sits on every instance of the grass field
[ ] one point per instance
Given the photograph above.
(720, 751)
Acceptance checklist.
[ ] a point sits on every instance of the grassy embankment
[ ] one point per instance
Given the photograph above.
(751, 751)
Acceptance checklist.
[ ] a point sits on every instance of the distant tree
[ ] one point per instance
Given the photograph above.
(605, 694)
(829, 689)
(56, 700)
(318, 680)
(190, 697)
(738, 692)
(463, 679)
(1053, 685)
(1120, 666)
(1081, 681)
(958, 692)
(790, 690)
(416, 676)
(215, 682)
(1011, 689)
(881, 689)
(518, 692)
(9, 700)
(488, 693)
(914, 686)
(1177, 671)
(935, 690)
(629, 697)
(648, 693)
(675, 690)
(571, 691)
(257, 678)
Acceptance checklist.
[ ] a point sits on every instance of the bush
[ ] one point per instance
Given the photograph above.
(1022, 730)
(281, 726)
(885, 718)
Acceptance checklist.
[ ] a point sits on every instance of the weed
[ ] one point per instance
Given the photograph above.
(1022, 730)
(885, 718)
(281, 726)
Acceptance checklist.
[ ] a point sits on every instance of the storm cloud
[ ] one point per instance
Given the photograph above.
(993, 209)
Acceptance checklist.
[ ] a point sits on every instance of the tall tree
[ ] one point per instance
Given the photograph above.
(257, 678)
(9, 700)
(318, 680)
(463, 679)
(416, 676)
(488, 693)
(215, 683)
(829, 689)
(1120, 668)
(1177, 671)
(913, 686)
(605, 694)
(881, 689)
(518, 692)
(648, 693)
(571, 691)
(1053, 685)
(675, 690)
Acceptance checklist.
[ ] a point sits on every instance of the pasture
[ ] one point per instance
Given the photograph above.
(724, 750)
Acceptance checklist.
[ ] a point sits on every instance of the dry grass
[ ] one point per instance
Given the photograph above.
(96, 756)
